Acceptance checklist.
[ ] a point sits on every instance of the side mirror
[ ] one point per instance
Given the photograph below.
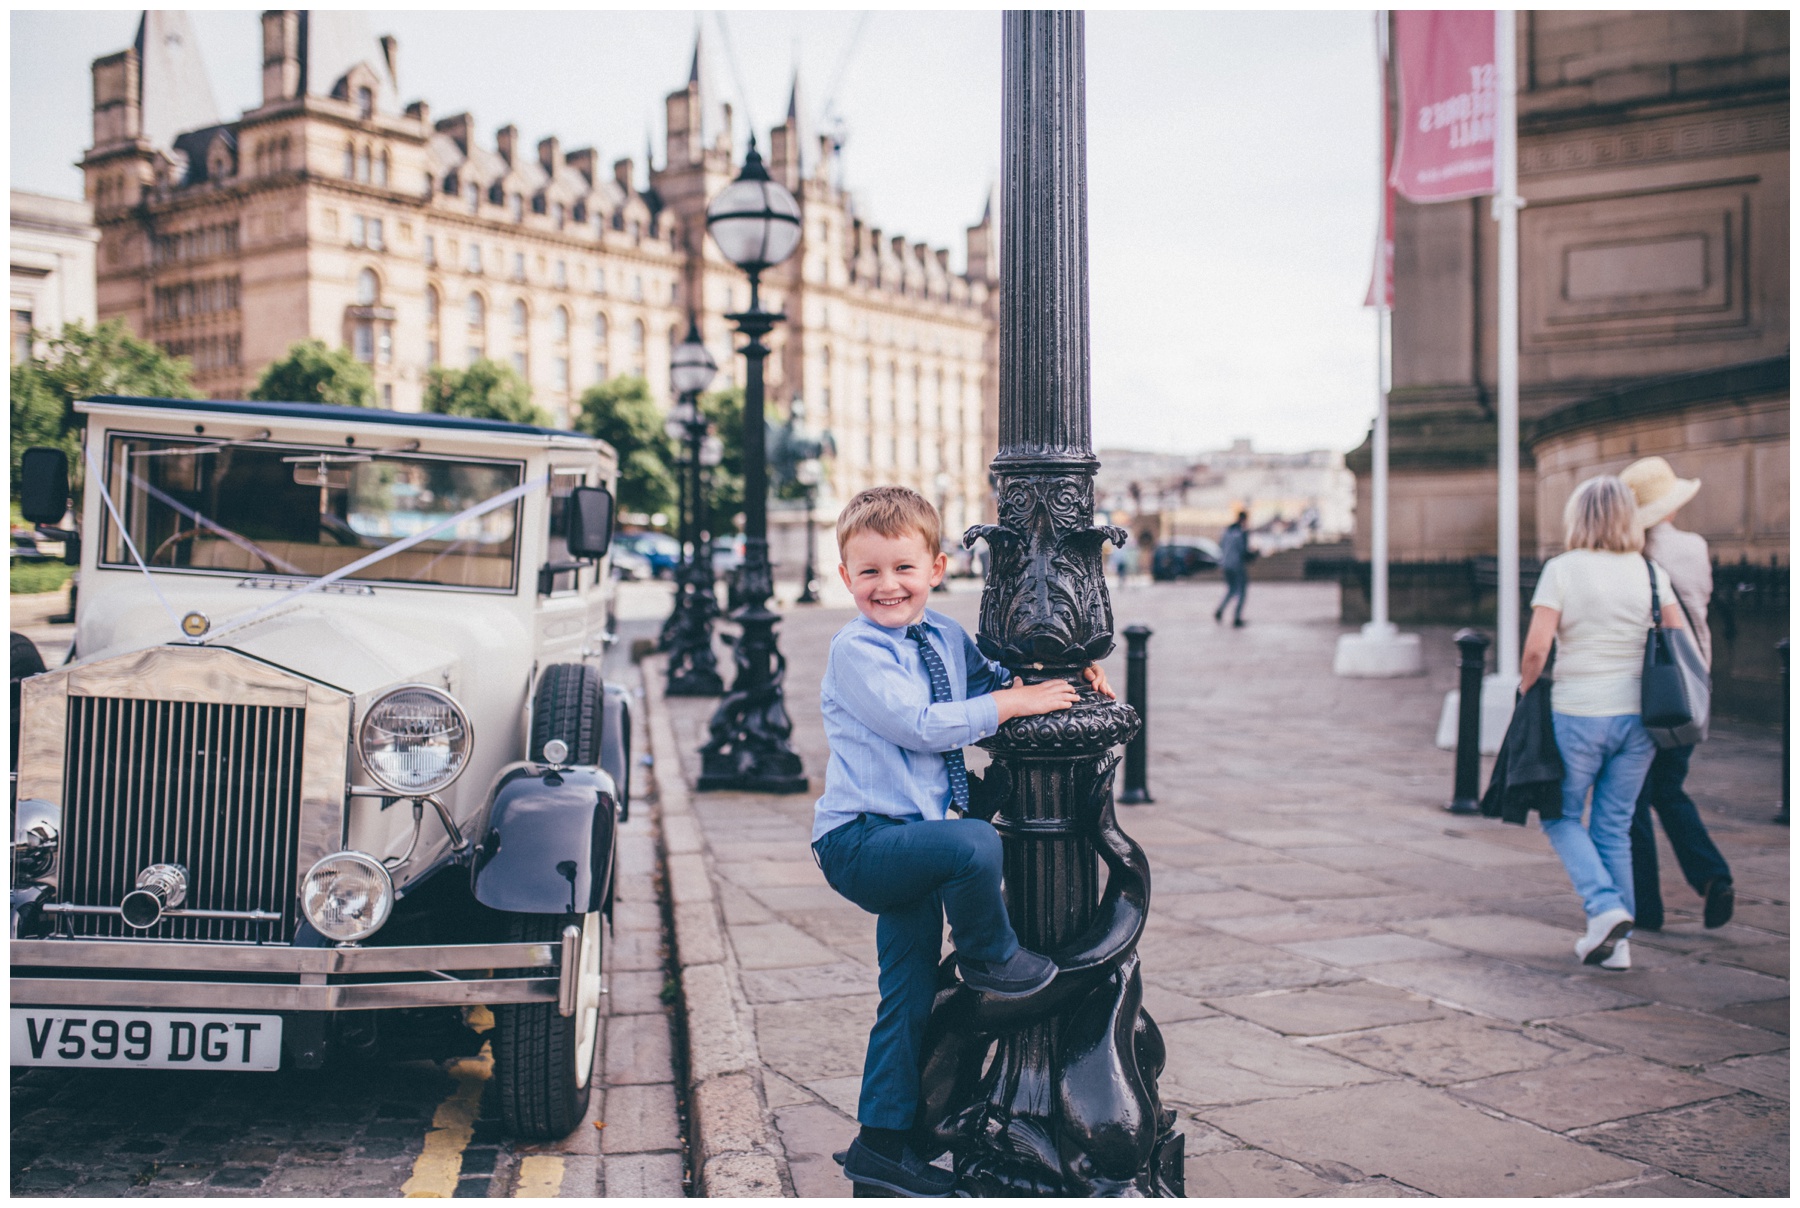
(588, 522)
(43, 485)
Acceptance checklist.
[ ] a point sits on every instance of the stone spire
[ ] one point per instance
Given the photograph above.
(174, 93)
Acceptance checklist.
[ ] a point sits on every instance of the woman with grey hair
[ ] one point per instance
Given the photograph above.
(1593, 603)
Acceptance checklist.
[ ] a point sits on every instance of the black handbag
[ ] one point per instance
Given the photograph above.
(1676, 701)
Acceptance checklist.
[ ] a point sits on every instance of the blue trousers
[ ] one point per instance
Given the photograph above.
(1236, 582)
(912, 874)
(1608, 755)
(1699, 857)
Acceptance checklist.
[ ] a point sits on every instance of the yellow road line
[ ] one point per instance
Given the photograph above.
(438, 1165)
(540, 1178)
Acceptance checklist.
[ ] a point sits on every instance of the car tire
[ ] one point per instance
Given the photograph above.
(568, 706)
(544, 1061)
(26, 662)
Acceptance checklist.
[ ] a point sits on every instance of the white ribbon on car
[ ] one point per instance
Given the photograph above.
(386, 551)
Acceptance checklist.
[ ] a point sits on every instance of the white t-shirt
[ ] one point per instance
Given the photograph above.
(1604, 599)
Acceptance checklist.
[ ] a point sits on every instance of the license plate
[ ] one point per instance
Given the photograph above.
(150, 1040)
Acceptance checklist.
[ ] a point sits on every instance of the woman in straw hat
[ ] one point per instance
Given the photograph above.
(1660, 494)
(1593, 603)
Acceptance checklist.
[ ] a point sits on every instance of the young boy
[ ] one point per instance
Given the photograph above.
(904, 691)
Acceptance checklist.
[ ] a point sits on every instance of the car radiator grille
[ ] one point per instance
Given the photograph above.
(213, 788)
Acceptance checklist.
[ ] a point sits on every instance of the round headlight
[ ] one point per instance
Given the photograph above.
(347, 896)
(414, 740)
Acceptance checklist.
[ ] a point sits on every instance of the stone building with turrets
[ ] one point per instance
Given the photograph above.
(331, 211)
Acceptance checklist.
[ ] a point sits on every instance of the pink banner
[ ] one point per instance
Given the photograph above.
(1448, 102)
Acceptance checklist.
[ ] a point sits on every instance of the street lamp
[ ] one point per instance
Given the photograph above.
(756, 224)
(802, 449)
(693, 670)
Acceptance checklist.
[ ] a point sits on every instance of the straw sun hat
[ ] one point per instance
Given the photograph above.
(1659, 493)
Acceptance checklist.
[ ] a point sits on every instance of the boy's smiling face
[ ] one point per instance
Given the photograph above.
(891, 577)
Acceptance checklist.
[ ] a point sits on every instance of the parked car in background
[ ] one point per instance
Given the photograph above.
(728, 554)
(1179, 559)
(627, 563)
(662, 551)
(332, 762)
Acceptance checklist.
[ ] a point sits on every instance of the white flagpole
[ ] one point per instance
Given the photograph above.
(1506, 207)
(1379, 650)
(1378, 484)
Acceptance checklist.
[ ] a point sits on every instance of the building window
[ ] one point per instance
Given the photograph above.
(368, 287)
(477, 313)
(637, 288)
(561, 276)
(358, 232)
(363, 341)
(474, 257)
(637, 338)
(362, 165)
(560, 214)
(600, 330)
(473, 194)
(365, 103)
(518, 364)
(520, 317)
(515, 207)
(431, 352)
(21, 336)
(387, 396)
(600, 374)
(350, 161)
(431, 250)
(381, 170)
(431, 306)
(384, 343)
(376, 240)
(472, 353)
(561, 371)
(599, 280)
(559, 324)
(518, 266)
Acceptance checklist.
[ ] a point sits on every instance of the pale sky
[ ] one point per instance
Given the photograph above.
(1231, 164)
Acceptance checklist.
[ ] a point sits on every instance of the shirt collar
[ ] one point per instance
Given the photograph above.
(899, 635)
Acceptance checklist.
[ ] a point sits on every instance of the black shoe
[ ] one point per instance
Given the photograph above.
(1721, 900)
(1025, 973)
(911, 1176)
(1238, 623)
(1218, 618)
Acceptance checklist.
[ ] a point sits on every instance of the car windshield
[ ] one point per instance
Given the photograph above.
(265, 509)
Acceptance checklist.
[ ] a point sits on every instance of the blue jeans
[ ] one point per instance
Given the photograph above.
(1699, 857)
(912, 874)
(1236, 581)
(1610, 756)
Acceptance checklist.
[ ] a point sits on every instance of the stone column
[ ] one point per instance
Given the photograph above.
(1068, 1105)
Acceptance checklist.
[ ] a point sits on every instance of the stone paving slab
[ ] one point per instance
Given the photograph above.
(1351, 984)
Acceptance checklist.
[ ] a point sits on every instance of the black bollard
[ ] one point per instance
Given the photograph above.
(1137, 695)
(1466, 798)
(1782, 647)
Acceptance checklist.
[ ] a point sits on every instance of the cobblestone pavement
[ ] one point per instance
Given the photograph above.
(1361, 994)
(374, 1128)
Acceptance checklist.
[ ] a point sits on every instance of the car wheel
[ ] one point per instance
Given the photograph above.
(544, 1060)
(568, 706)
(26, 662)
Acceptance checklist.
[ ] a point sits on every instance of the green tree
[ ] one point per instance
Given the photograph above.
(622, 413)
(485, 390)
(314, 373)
(86, 362)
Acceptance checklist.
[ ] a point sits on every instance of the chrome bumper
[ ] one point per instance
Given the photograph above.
(414, 977)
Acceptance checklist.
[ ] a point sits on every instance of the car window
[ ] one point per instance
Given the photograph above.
(561, 483)
(224, 507)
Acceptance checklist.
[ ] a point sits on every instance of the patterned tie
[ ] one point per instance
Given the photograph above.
(940, 692)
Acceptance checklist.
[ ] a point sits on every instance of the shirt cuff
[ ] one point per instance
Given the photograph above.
(984, 714)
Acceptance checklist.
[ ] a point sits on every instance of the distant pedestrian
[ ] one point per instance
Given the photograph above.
(1660, 494)
(1593, 602)
(1234, 559)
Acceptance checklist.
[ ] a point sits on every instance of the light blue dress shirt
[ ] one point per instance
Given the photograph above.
(887, 739)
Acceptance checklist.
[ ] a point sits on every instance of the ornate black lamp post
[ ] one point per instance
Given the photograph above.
(756, 223)
(802, 447)
(1068, 1104)
(693, 670)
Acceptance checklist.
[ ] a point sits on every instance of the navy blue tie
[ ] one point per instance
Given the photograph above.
(940, 692)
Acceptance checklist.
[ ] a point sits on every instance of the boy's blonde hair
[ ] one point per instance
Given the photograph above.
(1602, 514)
(892, 512)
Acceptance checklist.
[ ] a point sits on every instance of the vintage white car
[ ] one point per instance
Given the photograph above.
(331, 766)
